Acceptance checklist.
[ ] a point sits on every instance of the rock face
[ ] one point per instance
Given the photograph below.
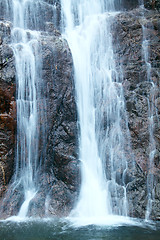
(140, 94)
(61, 164)
(7, 108)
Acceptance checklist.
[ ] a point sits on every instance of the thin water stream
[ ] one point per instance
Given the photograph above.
(25, 45)
(152, 113)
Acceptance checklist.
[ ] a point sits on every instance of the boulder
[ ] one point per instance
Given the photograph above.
(61, 164)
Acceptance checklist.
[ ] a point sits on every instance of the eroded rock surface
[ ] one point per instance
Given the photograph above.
(61, 163)
(140, 94)
(7, 108)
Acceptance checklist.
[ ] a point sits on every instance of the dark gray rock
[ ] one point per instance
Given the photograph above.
(44, 11)
(61, 115)
(152, 4)
(128, 4)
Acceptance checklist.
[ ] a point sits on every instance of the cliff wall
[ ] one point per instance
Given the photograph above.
(141, 94)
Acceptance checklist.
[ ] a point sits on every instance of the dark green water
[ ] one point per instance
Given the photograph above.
(56, 230)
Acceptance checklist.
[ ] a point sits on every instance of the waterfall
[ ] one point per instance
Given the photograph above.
(152, 112)
(104, 140)
(26, 48)
(101, 109)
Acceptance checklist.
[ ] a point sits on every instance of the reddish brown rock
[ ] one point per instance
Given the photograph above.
(7, 109)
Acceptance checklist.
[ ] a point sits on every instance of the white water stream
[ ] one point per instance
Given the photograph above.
(100, 107)
(25, 47)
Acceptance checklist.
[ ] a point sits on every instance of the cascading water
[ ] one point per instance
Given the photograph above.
(151, 113)
(104, 148)
(101, 109)
(29, 25)
(25, 45)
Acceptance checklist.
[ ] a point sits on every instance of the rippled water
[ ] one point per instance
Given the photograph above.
(62, 230)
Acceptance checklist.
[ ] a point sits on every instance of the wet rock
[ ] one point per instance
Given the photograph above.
(140, 94)
(44, 11)
(129, 4)
(152, 4)
(7, 108)
(60, 200)
(57, 126)
(58, 149)
(136, 195)
(11, 201)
